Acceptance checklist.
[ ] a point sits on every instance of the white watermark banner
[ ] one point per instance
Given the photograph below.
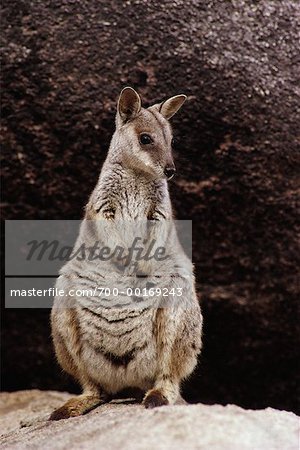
(108, 263)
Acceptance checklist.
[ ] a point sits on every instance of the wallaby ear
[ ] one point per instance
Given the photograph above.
(170, 107)
(129, 104)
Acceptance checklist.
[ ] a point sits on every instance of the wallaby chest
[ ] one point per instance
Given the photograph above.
(134, 201)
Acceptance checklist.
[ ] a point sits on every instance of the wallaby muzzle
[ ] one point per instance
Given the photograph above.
(170, 172)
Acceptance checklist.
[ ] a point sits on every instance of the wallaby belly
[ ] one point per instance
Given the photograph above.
(119, 351)
(117, 345)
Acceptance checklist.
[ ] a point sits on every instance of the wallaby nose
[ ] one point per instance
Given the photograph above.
(170, 172)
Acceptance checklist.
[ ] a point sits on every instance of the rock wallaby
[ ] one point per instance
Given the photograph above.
(114, 337)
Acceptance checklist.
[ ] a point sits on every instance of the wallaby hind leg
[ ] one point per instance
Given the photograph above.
(178, 346)
(80, 405)
(76, 407)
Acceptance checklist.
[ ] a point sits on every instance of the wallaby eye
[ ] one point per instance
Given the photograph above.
(145, 139)
(173, 142)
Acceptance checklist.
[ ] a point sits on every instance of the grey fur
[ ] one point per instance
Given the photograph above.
(110, 343)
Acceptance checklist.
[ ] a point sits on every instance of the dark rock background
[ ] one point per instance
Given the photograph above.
(64, 63)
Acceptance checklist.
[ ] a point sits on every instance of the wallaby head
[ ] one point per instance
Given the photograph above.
(142, 141)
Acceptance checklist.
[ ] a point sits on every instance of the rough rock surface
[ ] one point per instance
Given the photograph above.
(128, 426)
(64, 63)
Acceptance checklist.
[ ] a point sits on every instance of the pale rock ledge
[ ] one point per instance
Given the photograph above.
(130, 426)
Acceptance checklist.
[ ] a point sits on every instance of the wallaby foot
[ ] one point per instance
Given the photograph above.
(164, 392)
(76, 407)
(154, 398)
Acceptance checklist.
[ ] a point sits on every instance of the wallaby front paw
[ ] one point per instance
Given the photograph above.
(109, 214)
(155, 398)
